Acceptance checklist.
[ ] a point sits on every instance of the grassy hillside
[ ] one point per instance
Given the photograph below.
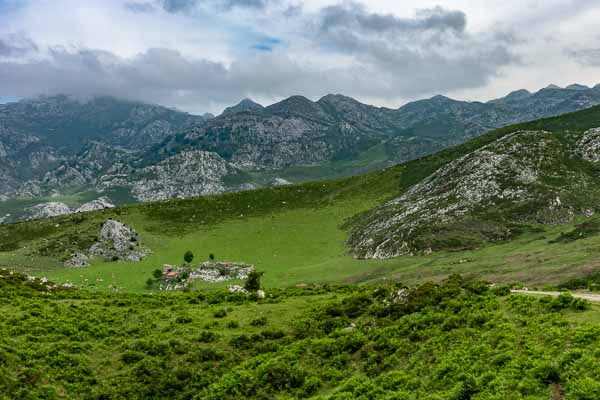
(459, 340)
(296, 234)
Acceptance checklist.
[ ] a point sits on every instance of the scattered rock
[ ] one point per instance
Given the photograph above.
(98, 204)
(279, 182)
(47, 210)
(78, 260)
(210, 271)
(236, 289)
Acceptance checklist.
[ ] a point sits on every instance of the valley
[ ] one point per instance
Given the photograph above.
(293, 199)
(297, 234)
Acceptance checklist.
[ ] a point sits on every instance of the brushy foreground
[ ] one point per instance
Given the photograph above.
(456, 340)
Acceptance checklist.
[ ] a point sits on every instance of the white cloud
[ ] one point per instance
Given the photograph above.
(201, 55)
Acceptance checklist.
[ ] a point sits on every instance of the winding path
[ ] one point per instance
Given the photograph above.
(590, 297)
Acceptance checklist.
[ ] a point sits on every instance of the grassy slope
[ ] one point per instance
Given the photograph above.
(295, 233)
(457, 341)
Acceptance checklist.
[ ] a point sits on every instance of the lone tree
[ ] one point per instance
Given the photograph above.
(188, 256)
(211, 257)
(253, 281)
(157, 273)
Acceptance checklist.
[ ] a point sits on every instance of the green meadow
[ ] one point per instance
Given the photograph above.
(297, 233)
(307, 246)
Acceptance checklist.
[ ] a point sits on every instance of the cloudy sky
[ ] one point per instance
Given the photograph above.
(202, 55)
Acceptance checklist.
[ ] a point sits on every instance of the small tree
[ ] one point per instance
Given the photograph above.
(253, 281)
(188, 256)
(157, 273)
(211, 257)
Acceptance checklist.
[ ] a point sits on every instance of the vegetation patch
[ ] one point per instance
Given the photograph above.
(582, 231)
(454, 340)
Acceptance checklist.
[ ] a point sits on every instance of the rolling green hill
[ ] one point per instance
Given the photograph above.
(298, 233)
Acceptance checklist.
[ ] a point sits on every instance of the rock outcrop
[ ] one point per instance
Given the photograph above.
(187, 174)
(77, 260)
(118, 242)
(94, 205)
(521, 177)
(47, 210)
(588, 147)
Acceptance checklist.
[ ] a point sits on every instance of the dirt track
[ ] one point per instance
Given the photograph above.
(590, 297)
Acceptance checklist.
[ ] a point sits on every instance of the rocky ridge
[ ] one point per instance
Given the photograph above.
(57, 144)
(187, 174)
(525, 176)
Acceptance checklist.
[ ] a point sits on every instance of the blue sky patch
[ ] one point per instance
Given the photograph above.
(267, 44)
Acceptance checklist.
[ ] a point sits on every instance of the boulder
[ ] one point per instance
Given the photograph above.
(78, 260)
(118, 242)
(47, 210)
(98, 204)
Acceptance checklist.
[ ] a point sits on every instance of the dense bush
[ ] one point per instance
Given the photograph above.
(456, 340)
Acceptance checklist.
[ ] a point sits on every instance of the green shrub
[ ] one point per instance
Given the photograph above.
(232, 324)
(260, 321)
(253, 281)
(207, 337)
(131, 357)
(183, 319)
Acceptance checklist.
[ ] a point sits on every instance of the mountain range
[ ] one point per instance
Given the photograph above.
(502, 206)
(56, 146)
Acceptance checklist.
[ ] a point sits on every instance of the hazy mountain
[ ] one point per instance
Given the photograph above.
(59, 144)
(244, 105)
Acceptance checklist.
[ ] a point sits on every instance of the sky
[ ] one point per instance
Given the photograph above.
(203, 55)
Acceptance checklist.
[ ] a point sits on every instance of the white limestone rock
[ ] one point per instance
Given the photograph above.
(279, 182)
(78, 260)
(505, 171)
(118, 242)
(588, 147)
(187, 174)
(47, 210)
(98, 204)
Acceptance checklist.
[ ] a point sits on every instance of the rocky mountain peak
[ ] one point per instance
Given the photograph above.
(298, 106)
(552, 87)
(576, 86)
(513, 96)
(242, 106)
